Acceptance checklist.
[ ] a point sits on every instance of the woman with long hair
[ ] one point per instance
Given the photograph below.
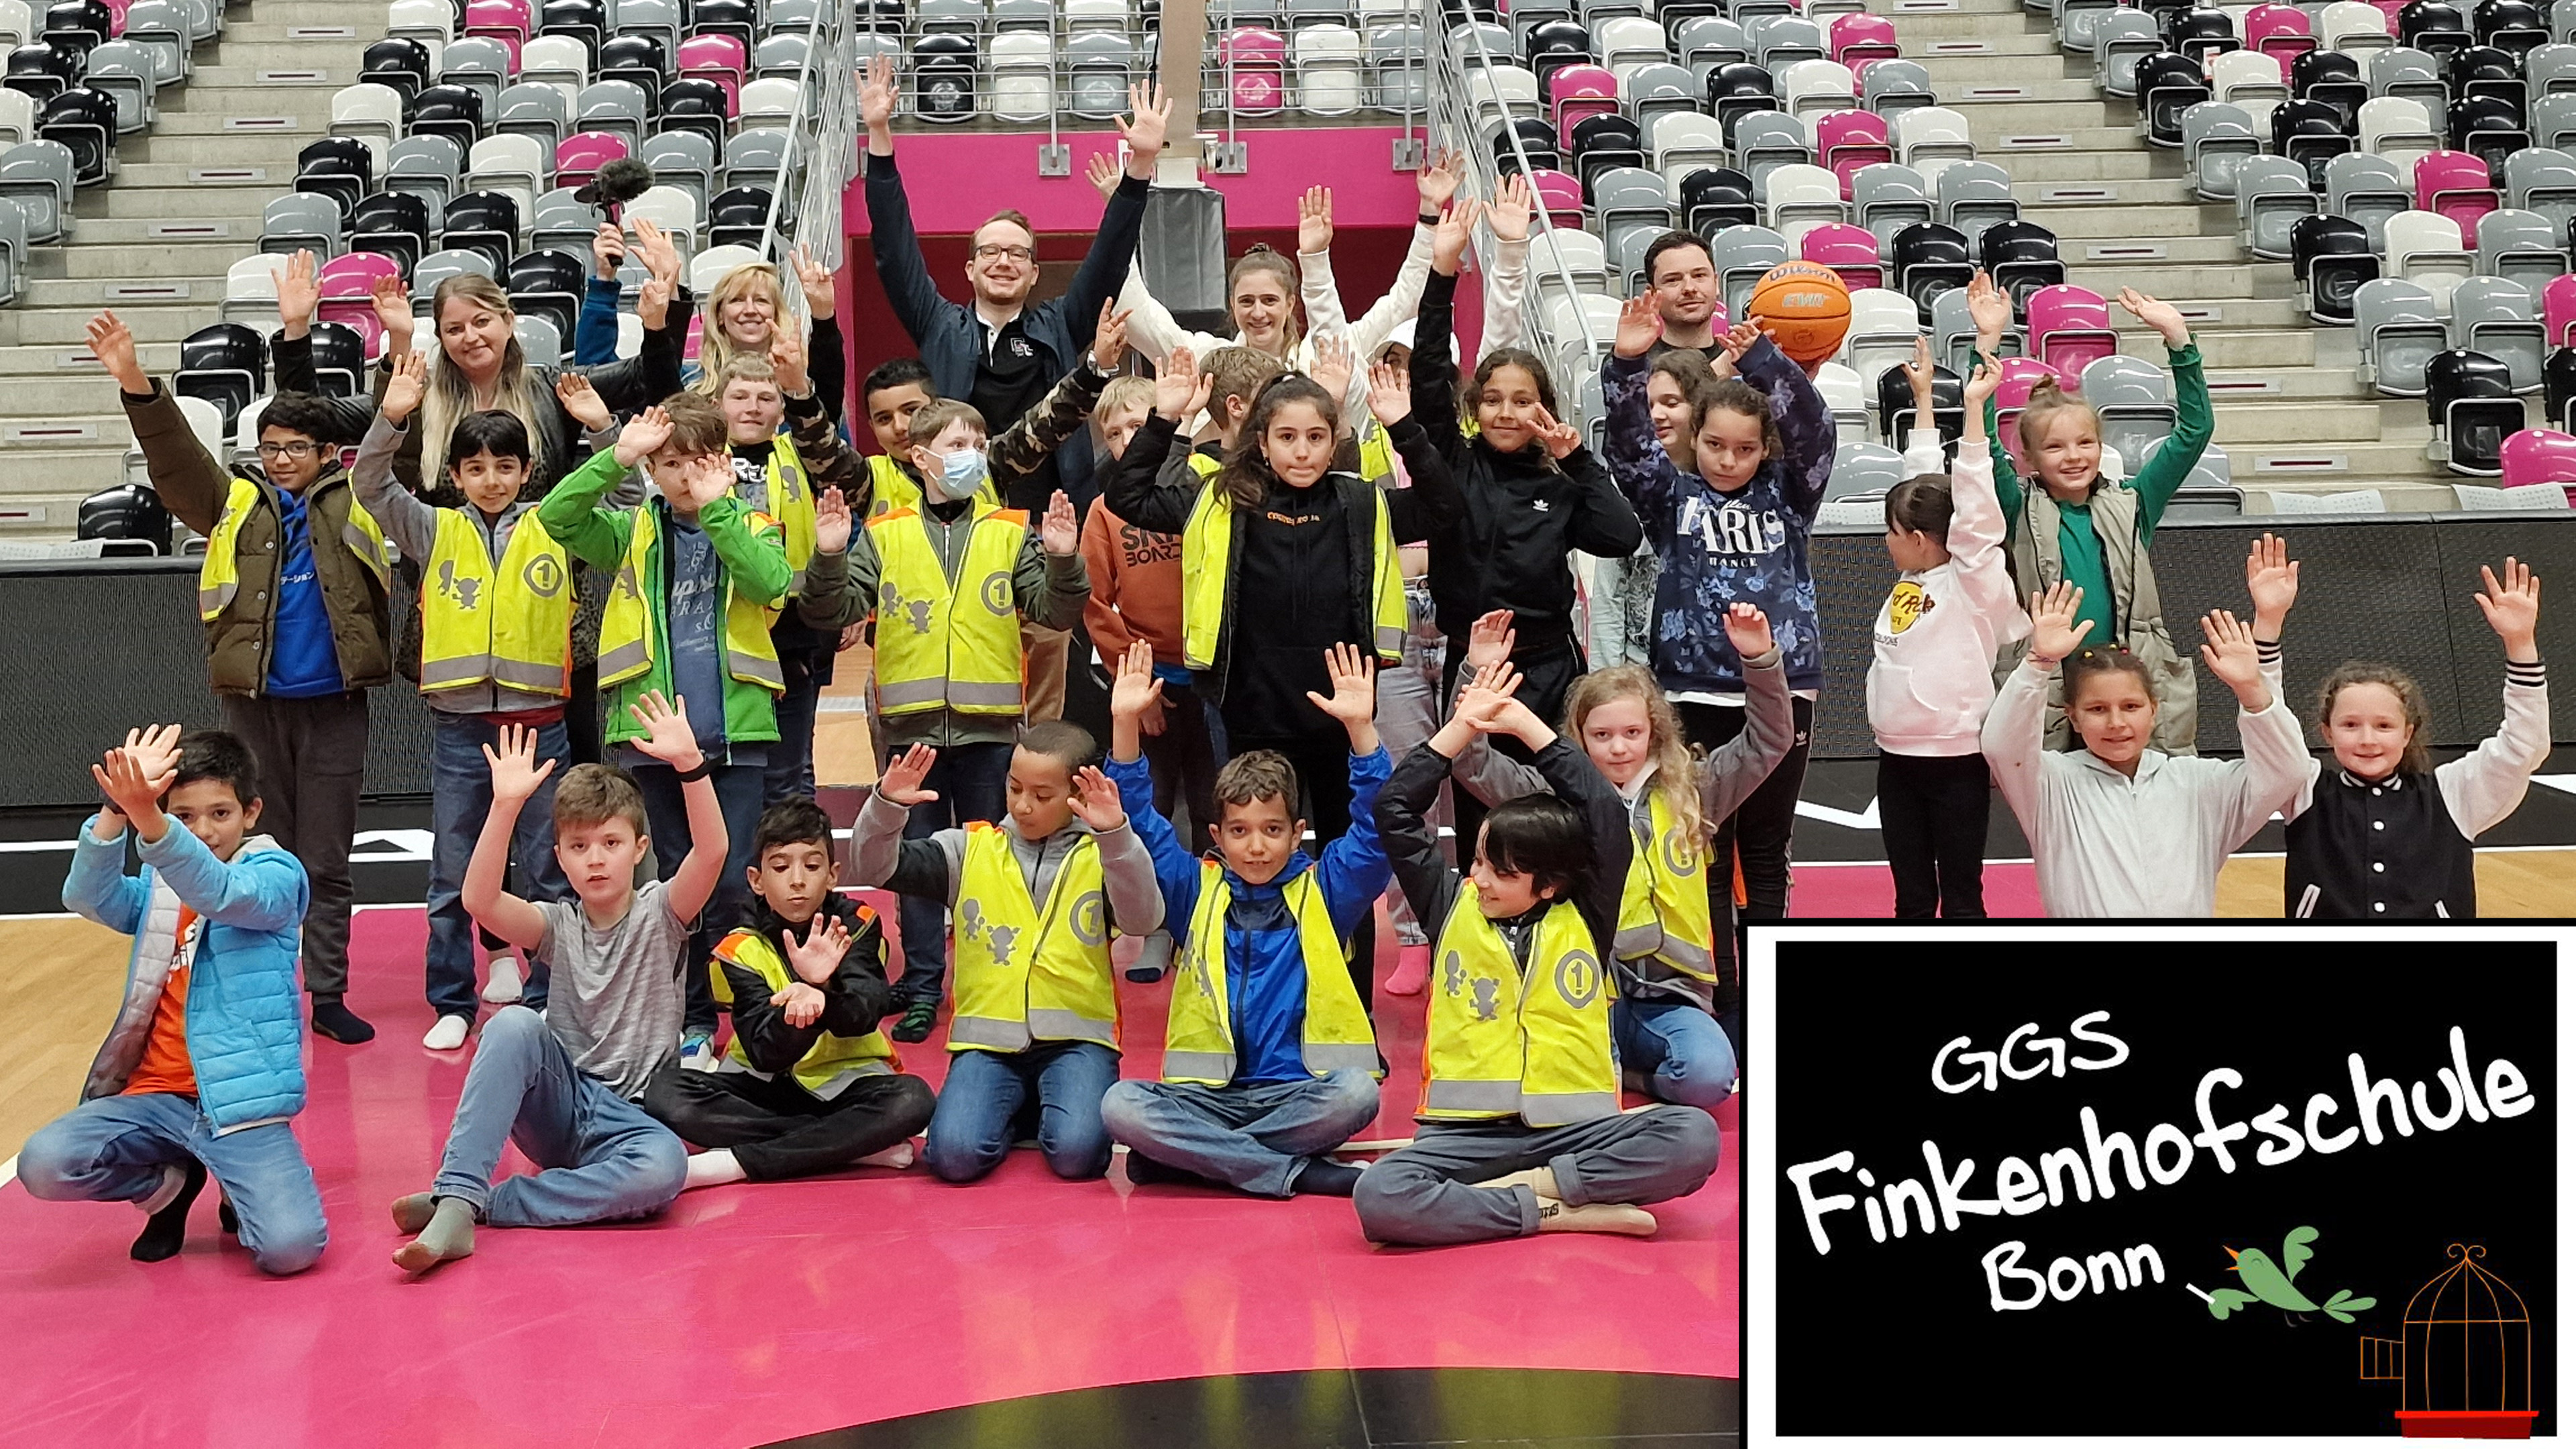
(744, 313)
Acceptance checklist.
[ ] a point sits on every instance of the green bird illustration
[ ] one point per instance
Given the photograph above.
(2271, 1282)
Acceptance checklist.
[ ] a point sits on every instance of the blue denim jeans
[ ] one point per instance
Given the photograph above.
(112, 1149)
(970, 1130)
(600, 1157)
(790, 771)
(666, 809)
(1678, 1046)
(1257, 1136)
(460, 795)
(970, 780)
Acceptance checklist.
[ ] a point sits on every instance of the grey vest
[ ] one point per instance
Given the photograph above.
(2137, 611)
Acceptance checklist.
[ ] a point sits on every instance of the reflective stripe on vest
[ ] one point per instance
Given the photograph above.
(626, 640)
(890, 487)
(1024, 973)
(1198, 1042)
(219, 572)
(940, 646)
(1207, 545)
(833, 1061)
(1498, 1043)
(510, 625)
(1663, 909)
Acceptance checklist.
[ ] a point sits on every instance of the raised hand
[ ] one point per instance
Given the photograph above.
(297, 293)
(1315, 220)
(1095, 800)
(653, 304)
(2055, 632)
(815, 280)
(135, 775)
(1135, 692)
(644, 435)
(1482, 703)
(1990, 308)
(877, 94)
(798, 1004)
(816, 957)
(1738, 340)
(1980, 385)
(1749, 630)
(2512, 608)
(1390, 394)
(607, 250)
(407, 383)
(2272, 581)
(787, 359)
(1180, 389)
(1439, 181)
(1449, 238)
(1918, 373)
(2230, 655)
(1109, 337)
(112, 343)
(661, 255)
(667, 736)
(832, 523)
(154, 750)
(1060, 532)
(1144, 135)
(901, 782)
(1353, 672)
(1558, 438)
(1333, 362)
(392, 303)
(1490, 640)
(1639, 326)
(583, 402)
(516, 770)
(1104, 172)
(2159, 315)
(1509, 215)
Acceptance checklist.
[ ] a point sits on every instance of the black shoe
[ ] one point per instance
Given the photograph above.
(226, 1218)
(166, 1229)
(916, 1023)
(1144, 1171)
(1323, 1177)
(339, 1023)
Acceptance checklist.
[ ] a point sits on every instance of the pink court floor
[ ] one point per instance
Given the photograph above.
(747, 1314)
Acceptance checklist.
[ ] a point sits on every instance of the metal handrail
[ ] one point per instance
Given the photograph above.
(822, 145)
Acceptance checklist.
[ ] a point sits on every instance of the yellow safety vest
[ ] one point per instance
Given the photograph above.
(1207, 552)
(941, 646)
(1499, 1044)
(1377, 456)
(219, 573)
(626, 635)
(890, 488)
(1198, 1043)
(791, 502)
(1026, 973)
(511, 625)
(833, 1062)
(1663, 909)
(1203, 465)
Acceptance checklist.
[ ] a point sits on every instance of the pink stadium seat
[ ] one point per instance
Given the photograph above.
(719, 58)
(1561, 194)
(347, 283)
(1577, 91)
(2454, 184)
(1855, 40)
(2279, 31)
(579, 156)
(2070, 328)
(116, 18)
(1259, 59)
(1850, 250)
(2012, 394)
(697, 329)
(499, 18)
(2558, 308)
(2540, 457)
(1846, 141)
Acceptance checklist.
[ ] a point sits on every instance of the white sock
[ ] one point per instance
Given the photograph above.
(506, 980)
(899, 1155)
(447, 1034)
(713, 1169)
(173, 1178)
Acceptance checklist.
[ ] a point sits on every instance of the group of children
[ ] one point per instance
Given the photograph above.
(1328, 575)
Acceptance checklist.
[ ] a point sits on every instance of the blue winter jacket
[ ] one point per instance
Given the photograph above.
(1748, 546)
(245, 1010)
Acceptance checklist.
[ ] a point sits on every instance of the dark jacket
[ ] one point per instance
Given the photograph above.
(1415, 513)
(949, 334)
(240, 639)
(1430, 883)
(855, 997)
(1525, 513)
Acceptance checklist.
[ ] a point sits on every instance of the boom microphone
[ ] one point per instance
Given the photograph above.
(617, 183)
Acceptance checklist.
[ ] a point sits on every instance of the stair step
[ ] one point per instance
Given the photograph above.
(2223, 282)
(2149, 191)
(213, 123)
(2009, 68)
(140, 264)
(71, 395)
(2229, 386)
(1995, 130)
(2312, 420)
(2093, 223)
(2074, 167)
(1973, 36)
(32, 360)
(269, 148)
(2043, 116)
(181, 202)
(67, 326)
(2401, 495)
(312, 72)
(2022, 89)
(87, 294)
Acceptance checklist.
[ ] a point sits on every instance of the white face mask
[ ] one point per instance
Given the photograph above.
(959, 475)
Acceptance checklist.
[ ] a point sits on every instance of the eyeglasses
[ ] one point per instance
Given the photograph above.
(995, 251)
(298, 450)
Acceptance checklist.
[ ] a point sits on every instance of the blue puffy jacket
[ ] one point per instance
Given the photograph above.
(245, 1010)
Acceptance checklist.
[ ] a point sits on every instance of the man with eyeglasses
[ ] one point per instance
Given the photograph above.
(293, 594)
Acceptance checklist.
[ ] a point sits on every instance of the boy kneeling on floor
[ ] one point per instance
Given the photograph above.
(809, 1083)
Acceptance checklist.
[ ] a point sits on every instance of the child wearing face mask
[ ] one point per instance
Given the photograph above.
(2082, 527)
(949, 584)
(2386, 834)
(1929, 684)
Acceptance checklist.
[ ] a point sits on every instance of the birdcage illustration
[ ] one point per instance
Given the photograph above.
(2465, 1357)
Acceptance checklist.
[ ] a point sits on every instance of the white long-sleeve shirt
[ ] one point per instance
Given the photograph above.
(1931, 678)
(2149, 844)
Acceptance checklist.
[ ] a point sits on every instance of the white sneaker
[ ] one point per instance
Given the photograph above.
(447, 1034)
(897, 1156)
(503, 987)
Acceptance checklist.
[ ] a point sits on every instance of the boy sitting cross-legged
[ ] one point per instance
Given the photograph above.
(1269, 1061)
(564, 1086)
(809, 1084)
(204, 1067)
(1036, 899)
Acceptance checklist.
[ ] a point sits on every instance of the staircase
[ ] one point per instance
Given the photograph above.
(2290, 412)
(156, 242)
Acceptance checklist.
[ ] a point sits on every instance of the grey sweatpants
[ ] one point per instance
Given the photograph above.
(312, 756)
(1409, 711)
(1426, 1193)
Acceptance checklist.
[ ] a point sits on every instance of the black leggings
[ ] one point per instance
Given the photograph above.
(1932, 818)
(1756, 836)
(1323, 764)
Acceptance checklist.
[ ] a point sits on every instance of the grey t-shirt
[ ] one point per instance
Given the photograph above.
(616, 1000)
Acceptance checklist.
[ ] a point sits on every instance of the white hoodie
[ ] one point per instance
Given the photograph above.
(1931, 680)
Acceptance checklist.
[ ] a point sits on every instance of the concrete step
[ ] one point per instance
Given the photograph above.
(2219, 314)
(281, 54)
(152, 261)
(180, 201)
(71, 393)
(2024, 89)
(41, 362)
(2402, 495)
(2126, 194)
(2234, 385)
(156, 231)
(2133, 251)
(2079, 167)
(1972, 68)
(1974, 36)
(311, 71)
(2109, 224)
(2338, 465)
(67, 326)
(2242, 280)
(264, 181)
(213, 123)
(311, 105)
(2043, 116)
(1993, 129)
(2312, 420)
(2221, 348)
(126, 294)
(269, 148)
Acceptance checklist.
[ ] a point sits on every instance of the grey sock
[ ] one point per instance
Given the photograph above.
(450, 1235)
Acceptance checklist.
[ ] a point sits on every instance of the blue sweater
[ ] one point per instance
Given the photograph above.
(1748, 546)
(1265, 967)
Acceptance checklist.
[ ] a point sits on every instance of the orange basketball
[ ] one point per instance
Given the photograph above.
(1805, 307)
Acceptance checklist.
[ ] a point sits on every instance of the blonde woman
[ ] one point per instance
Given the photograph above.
(743, 313)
